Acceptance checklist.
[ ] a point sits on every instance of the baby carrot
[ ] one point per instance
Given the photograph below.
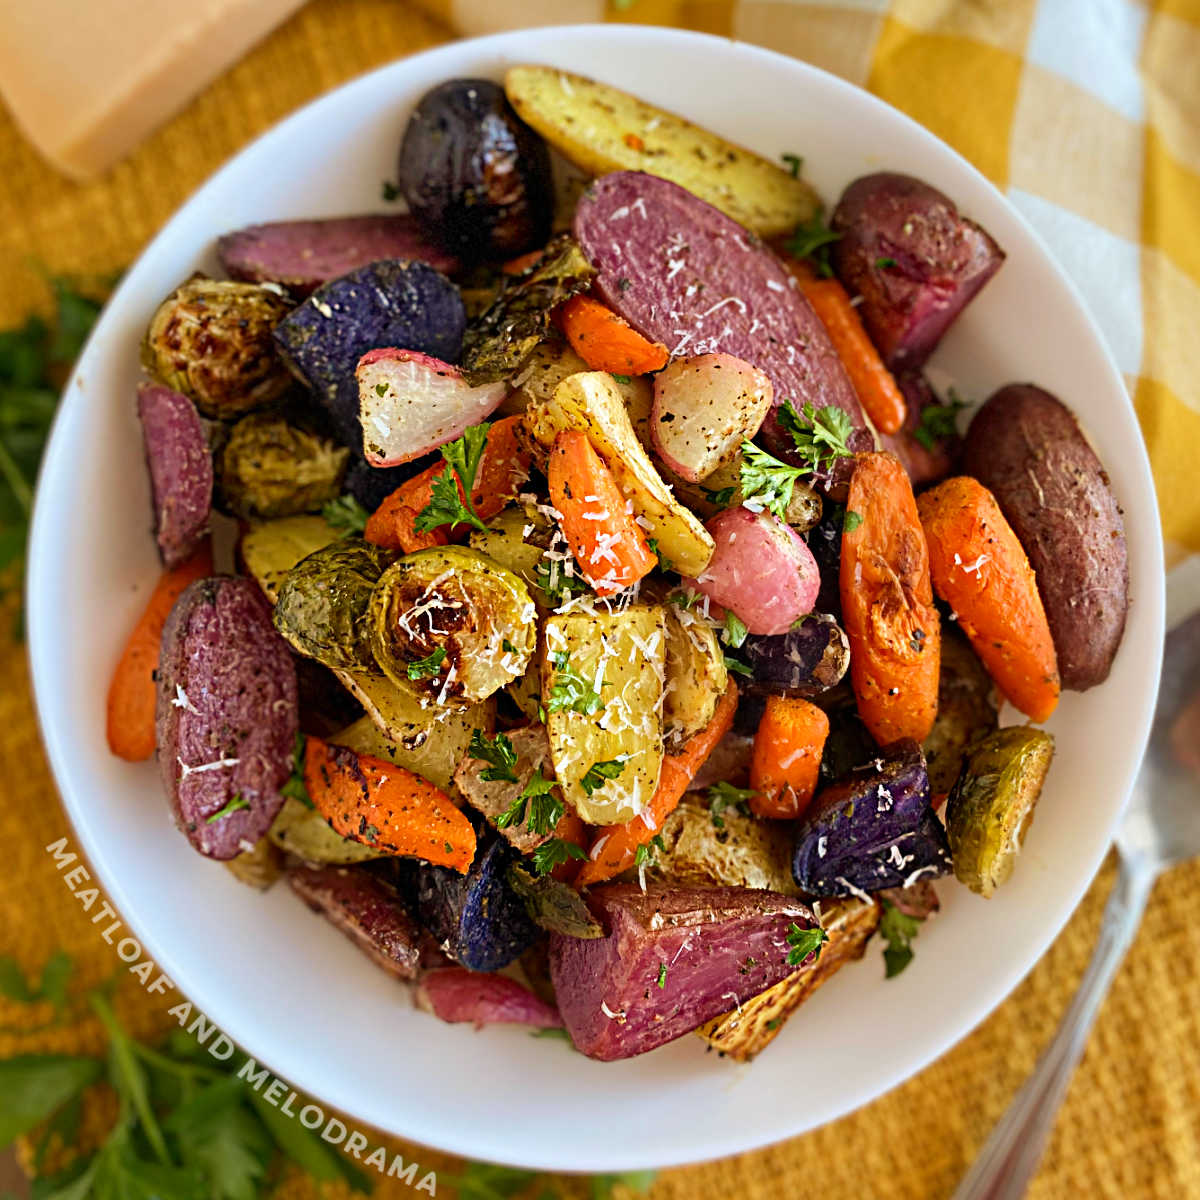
(607, 342)
(129, 715)
(979, 568)
(608, 544)
(786, 757)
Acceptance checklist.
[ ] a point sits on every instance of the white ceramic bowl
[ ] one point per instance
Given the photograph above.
(290, 988)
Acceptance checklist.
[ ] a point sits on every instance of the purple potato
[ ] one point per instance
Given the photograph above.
(367, 910)
(404, 304)
(181, 470)
(227, 715)
(683, 273)
(712, 948)
(806, 661)
(825, 541)
(873, 829)
(913, 258)
(302, 255)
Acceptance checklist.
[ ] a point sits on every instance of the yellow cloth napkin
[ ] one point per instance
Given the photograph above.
(1087, 112)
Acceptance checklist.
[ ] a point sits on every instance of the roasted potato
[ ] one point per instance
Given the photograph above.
(809, 659)
(302, 831)
(270, 549)
(259, 867)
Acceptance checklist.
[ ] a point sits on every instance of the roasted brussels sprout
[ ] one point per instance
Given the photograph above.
(553, 905)
(991, 806)
(474, 175)
(272, 468)
(211, 340)
(806, 661)
(451, 623)
(322, 605)
(873, 829)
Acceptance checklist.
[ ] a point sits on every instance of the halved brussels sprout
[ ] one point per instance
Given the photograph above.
(211, 340)
(991, 806)
(452, 623)
(272, 468)
(322, 605)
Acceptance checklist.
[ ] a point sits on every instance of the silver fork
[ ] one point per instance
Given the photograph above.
(1161, 827)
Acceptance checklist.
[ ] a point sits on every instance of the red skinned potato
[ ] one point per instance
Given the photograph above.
(915, 260)
(367, 909)
(181, 470)
(456, 995)
(1027, 449)
(410, 404)
(704, 408)
(683, 273)
(302, 255)
(926, 453)
(226, 716)
(709, 948)
(761, 570)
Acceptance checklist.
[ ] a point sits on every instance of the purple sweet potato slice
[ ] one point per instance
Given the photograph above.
(683, 273)
(181, 470)
(227, 715)
(367, 909)
(302, 255)
(711, 947)
(914, 259)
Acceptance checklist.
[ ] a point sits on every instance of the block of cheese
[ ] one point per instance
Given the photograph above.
(86, 80)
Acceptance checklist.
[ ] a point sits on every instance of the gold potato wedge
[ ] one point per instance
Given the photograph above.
(270, 549)
(592, 402)
(746, 1031)
(696, 674)
(302, 831)
(601, 129)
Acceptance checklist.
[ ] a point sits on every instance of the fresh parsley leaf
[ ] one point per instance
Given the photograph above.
(600, 772)
(558, 586)
(812, 240)
(851, 521)
(623, 378)
(735, 631)
(738, 667)
(939, 421)
(451, 502)
(882, 264)
(345, 513)
(237, 804)
(898, 931)
(662, 975)
(428, 667)
(486, 1181)
(33, 1086)
(537, 807)
(766, 481)
(821, 435)
(570, 692)
(794, 163)
(295, 787)
(499, 752)
(555, 852)
(646, 853)
(804, 942)
(664, 563)
(721, 497)
(724, 795)
(390, 192)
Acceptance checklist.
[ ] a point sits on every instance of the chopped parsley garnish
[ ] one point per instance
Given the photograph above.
(553, 579)
(508, 647)
(554, 853)
(767, 481)
(295, 787)
(600, 772)
(721, 497)
(812, 240)
(428, 667)
(851, 521)
(390, 191)
(646, 853)
(821, 435)
(735, 631)
(724, 795)
(451, 502)
(497, 751)
(537, 798)
(664, 563)
(939, 421)
(237, 804)
(345, 513)
(623, 378)
(662, 975)
(898, 931)
(882, 264)
(738, 667)
(381, 390)
(794, 163)
(570, 692)
(804, 942)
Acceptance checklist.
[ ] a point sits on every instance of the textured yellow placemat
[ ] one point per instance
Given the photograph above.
(1131, 1127)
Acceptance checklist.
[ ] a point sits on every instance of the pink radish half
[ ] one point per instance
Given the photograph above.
(410, 404)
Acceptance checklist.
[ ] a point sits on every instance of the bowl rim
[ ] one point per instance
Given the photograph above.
(537, 41)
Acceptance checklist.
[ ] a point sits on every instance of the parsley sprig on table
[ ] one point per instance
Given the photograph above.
(450, 504)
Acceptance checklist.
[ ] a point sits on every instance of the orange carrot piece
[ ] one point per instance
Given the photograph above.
(522, 263)
(887, 604)
(608, 544)
(877, 392)
(614, 848)
(980, 569)
(382, 805)
(607, 342)
(503, 468)
(570, 828)
(129, 712)
(787, 757)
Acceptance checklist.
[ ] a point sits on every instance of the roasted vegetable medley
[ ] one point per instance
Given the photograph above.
(616, 631)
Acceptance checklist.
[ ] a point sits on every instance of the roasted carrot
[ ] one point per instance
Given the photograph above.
(522, 263)
(787, 757)
(382, 805)
(129, 713)
(876, 389)
(614, 848)
(502, 469)
(570, 828)
(980, 569)
(608, 544)
(887, 604)
(607, 342)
